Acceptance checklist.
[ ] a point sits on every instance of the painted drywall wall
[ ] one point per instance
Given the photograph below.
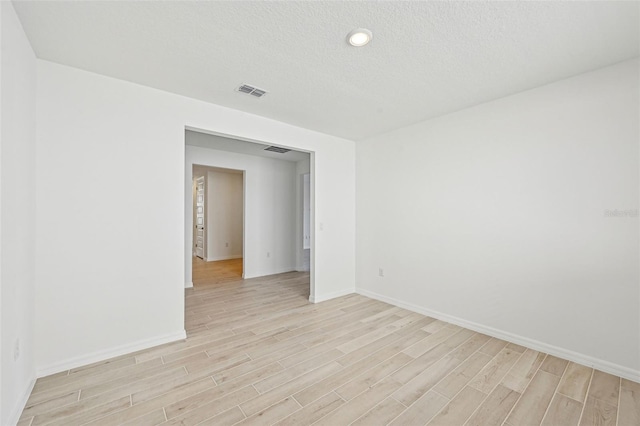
(224, 215)
(110, 254)
(303, 168)
(269, 208)
(17, 223)
(497, 217)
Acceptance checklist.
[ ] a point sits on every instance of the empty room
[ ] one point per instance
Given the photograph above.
(319, 213)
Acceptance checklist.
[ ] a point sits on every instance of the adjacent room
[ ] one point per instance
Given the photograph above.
(329, 213)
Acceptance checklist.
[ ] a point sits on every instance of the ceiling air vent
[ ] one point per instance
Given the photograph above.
(251, 90)
(277, 149)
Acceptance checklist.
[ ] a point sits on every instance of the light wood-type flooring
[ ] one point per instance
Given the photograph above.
(215, 272)
(258, 353)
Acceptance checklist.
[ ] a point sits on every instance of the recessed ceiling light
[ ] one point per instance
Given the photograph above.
(359, 37)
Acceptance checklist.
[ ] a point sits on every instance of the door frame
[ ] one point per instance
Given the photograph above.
(204, 216)
(189, 218)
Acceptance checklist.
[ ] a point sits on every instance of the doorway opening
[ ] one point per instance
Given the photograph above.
(277, 232)
(218, 225)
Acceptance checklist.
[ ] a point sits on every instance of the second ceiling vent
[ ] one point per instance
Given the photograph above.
(251, 90)
(277, 149)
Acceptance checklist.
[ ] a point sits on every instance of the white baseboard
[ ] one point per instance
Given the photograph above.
(598, 364)
(97, 356)
(323, 297)
(14, 416)
(188, 285)
(215, 259)
(267, 273)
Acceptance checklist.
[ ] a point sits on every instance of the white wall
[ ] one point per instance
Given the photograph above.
(224, 215)
(17, 224)
(110, 256)
(269, 208)
(303, 167)
(494, 217)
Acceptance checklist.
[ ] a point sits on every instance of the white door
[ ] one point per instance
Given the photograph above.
(200, 222)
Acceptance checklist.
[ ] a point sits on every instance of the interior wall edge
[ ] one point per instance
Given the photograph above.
(86, 359)
(332, 295)
(578, 358)
(16, 412)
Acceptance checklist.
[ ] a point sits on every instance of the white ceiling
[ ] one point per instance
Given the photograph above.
(221, 143)
(426, 58)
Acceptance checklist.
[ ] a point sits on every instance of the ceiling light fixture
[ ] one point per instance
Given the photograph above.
(359, 37)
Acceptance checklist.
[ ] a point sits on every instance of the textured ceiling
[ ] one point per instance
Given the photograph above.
(426, 58)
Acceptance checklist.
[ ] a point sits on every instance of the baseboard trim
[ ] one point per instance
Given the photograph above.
(109, 353)
(579, 358)
(215, 259)
(14, 416)
(188, 285)
(332, 295)
(267, 273)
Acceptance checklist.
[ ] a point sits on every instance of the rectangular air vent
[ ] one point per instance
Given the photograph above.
(251, 90)
(277, 149)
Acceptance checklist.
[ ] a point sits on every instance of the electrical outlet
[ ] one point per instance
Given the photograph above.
(16, 350)
(268, 254)
(226, 244)
(380, 272)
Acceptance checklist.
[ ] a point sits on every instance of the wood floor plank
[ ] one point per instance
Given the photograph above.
(495, 370)
(424, 361)
(426, 380)
(273, 413)
(212, 408)
(142, 409)
(302, 382)
(455, 381)
(43, 407)
(422, 410)
(532, 406)
(493, 346)
(79, 374)
(313, 411)
(434, 326)
(258, 352)
(381, 414)
(562, 411)
(364, 381)
(203, 398)
(465, 350)
(83, 416)
(459, 409)
(522, 372)
(575, 381)
(226, 418)
(24, 421)
(494, 409)
(605, 387)
(597, 412)
(152, 418)
(360, 405)
(629, 410)
(430, 342)
(554, 365)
